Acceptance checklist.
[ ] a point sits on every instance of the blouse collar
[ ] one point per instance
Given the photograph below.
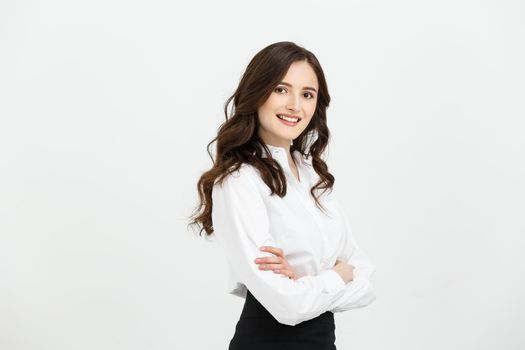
(280, 153)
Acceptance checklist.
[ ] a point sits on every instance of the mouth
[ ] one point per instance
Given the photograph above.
(288, 120)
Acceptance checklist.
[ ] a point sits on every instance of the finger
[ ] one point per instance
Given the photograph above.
(269, 260)
(273, 250)
(272, 267)
(288, 273)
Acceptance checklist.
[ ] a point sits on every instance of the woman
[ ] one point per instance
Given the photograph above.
(268, 198)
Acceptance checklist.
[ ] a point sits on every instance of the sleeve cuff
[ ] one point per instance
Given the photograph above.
(333, 282)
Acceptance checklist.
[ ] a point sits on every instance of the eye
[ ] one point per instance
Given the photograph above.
(308, 95)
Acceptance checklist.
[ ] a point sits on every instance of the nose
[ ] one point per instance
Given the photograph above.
(293, 103)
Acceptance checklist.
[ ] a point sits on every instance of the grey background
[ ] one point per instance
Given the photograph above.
(106, 108)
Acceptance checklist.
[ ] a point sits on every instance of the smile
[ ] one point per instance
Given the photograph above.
(290, 121)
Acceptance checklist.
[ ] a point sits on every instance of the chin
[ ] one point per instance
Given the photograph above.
(287, 136)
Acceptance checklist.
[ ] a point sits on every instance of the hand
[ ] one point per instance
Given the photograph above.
(346, 271)
(277, 263)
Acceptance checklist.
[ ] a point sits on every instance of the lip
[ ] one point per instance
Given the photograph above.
(290, 116)
(287, 123)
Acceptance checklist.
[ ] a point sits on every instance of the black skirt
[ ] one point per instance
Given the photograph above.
(257, 329)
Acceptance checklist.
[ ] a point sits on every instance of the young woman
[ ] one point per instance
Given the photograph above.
(269, 201)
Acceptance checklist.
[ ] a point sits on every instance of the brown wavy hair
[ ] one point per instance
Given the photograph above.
(237, 138)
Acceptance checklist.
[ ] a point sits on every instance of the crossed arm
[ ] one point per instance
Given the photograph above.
(359, 291)
(241, 226)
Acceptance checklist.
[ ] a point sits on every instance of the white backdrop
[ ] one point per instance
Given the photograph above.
(106, 110)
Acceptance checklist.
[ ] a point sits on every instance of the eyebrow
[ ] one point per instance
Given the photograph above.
(305, 88)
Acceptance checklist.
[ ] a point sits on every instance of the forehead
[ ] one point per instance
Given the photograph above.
(301, 74)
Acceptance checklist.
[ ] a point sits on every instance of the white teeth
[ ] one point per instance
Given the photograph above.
(294, 120)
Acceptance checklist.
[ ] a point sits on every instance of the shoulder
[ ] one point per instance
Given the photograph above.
(245, 172)
(246, 177)
(239, 191)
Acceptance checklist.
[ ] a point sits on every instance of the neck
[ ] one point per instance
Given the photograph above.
(278, 143)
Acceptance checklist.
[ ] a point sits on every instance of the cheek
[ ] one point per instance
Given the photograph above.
(310, 112)
(272, 103)
(265, 117)
(308, 121)
(268, 107)
(311, 108)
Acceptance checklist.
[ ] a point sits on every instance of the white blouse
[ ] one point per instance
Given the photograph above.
(245, 217)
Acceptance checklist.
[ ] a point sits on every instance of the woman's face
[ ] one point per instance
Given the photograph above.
(295, 96)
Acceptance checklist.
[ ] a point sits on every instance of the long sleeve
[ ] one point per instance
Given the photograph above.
(241, 226)
(360, 291)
